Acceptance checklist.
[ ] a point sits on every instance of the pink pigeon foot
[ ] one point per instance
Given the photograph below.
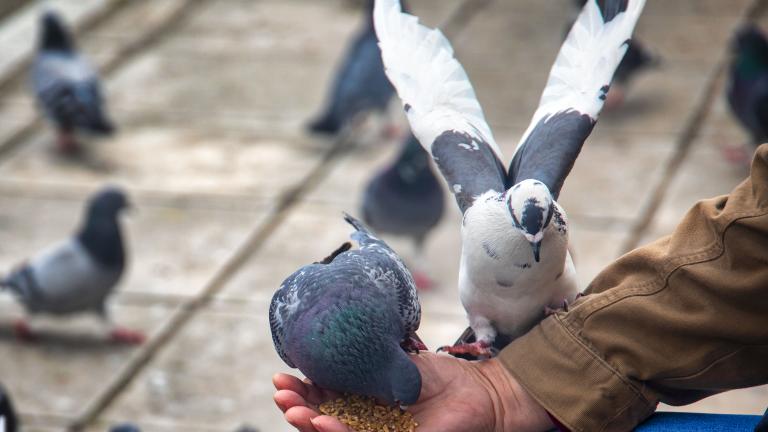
(392, 132)
(413, 344)
(423, 282)
(475, 349)
(67, 144)
(126, 336)
(615, 97)
(736, 154)
(23, 331)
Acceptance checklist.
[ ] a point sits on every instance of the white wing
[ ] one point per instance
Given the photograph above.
(440, 102)
(584, 68)
(575, 93)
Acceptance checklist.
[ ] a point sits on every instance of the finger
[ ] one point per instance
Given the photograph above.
(286, 399)
(301, 418)
(316, 395)
(289, 382)
(329, 424)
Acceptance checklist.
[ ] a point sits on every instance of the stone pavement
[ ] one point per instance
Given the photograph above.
(232, 195)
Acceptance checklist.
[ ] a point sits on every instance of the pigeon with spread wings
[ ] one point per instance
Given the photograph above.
(515, 261)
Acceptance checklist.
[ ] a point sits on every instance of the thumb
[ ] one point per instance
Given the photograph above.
(329, 424)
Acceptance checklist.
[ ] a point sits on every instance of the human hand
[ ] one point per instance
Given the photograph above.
(456, 395)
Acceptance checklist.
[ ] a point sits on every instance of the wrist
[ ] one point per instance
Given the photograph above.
(514, 408)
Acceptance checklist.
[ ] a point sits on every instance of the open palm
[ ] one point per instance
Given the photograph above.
(456, 395)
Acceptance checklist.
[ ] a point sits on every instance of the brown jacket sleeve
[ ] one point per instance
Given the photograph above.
(675, 321)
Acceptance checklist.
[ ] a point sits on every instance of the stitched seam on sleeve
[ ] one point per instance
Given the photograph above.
(659, 283)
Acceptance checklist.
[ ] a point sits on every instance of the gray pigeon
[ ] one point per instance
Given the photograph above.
(78, 274)
(67, 86)
(406, 199)
(346, 322)
(125, 427)
(360, 85)
(515, 262)
(8, 420)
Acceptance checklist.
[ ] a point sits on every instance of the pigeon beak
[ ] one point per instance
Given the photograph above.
(536, 250)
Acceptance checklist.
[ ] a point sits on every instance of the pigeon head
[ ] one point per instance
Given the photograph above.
(8, 421)
(107, 203)
(530, 204)
(55, 36)
(404, 380)
(100, 233)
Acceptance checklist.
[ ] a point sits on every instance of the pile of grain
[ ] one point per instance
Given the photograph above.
(364, 415)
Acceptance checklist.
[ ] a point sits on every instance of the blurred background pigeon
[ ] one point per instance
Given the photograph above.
(637, 60)
(406, 199)
(79, 274)
(747, 90)
(67, 87)
(125, 427)
(360, 86)
(8, 420)
(346, 321)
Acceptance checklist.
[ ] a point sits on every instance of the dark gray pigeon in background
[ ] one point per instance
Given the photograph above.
(8, 420)
(67, 86)
(346, 322)
(78, 274)
(360, 86)
(747, 89)
(406, 199)
(125, 427)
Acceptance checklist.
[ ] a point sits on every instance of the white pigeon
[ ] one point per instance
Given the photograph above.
(515, 261)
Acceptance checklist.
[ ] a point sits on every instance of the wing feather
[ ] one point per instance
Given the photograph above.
(440, 102)
(575, 93)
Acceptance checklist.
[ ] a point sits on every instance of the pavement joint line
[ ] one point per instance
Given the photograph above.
(252, 244)
(125, 53)
(182, 200)
(687, 137)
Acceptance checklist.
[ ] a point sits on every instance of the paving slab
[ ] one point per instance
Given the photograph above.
(172, 251)
(59, 373)
(704, 174)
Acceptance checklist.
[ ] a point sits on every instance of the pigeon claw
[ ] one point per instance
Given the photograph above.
(475, 349)
(127, 337)
(23, 331)
(67, 144)
(413, 344)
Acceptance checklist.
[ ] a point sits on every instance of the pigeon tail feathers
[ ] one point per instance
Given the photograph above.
(361, 235)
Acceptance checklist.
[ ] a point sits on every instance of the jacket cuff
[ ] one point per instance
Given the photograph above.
(571, 382)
